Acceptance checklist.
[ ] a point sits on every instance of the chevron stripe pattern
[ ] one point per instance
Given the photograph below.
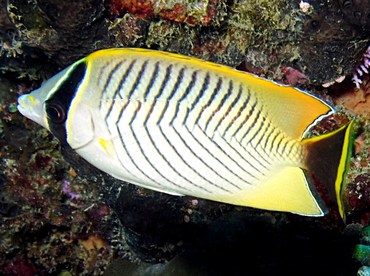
(180, 127)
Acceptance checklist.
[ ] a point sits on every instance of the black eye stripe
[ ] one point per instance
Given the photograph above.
(57, 106)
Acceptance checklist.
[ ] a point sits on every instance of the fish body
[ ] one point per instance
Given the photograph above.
(184, 126)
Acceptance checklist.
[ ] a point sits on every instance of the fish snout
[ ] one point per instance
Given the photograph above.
(32, 109)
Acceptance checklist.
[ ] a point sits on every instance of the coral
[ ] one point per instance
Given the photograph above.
(357, 191)
(328, 37)
(128, 30)
(266, 34)
(162, 34)
(293, 77)
(63, 30)
(358, 194)
(143, 8)
(189, 12)
(272, 30)
(362, 69)
(356, 100)
(19, 266)
(356, 12)
(355, 103)
(67, 190)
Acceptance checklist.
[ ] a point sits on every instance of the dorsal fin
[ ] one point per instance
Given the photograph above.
(292, 110)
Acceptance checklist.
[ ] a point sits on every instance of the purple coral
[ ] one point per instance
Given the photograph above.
(67, 190)
(362, 69)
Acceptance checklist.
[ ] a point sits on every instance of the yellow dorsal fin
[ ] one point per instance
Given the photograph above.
(292, 110)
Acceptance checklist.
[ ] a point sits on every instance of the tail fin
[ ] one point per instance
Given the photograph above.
(327, 160)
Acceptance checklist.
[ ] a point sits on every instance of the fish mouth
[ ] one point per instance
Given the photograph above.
(21, 108)
(24, 106)
(32, 109)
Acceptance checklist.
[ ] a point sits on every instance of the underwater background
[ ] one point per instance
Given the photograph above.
(61, 216)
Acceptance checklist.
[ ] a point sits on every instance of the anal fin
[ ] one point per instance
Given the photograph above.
(286, 190)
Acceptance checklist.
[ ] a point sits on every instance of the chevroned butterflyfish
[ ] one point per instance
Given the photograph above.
(184, 126)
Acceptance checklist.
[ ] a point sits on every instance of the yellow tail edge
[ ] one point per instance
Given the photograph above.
(327, 160)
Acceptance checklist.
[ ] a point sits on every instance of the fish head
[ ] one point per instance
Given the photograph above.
(50, 105)
(32, 105)
(67, 105)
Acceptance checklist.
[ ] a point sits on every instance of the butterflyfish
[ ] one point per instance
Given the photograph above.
(185, 126)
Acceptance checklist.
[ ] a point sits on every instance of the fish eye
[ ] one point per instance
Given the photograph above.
(56, 112)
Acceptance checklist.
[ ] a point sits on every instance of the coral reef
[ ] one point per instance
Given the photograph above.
(60, 215)
(362, 68)
(50, 218)
(61, 31)
(191, 13)
(322, 40)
